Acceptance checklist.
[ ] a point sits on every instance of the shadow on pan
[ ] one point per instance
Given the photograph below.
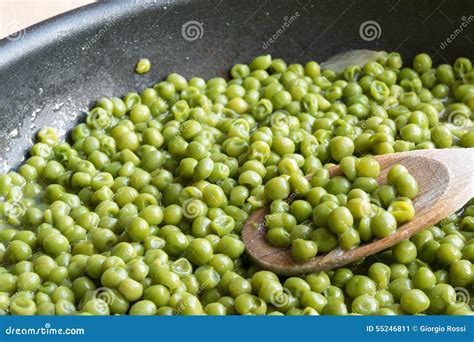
(51, 73)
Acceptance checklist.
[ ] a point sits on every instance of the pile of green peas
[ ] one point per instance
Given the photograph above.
(348, 209)
(141, 211)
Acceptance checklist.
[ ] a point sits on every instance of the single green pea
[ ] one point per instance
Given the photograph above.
(131, 289)
(407, 186)
(414, 301)
(301, 210)
(304, 249)
(143, 308)
(138, 229)
(404, 252)
(8, 283)
(250, 304)
(403, 211)
(424, 279)
(383, 224)
(359, 285)
(113, 276)
(359, 208)
(143, 66)
(214, 196)
(261, 62)
(365, 305)
(97, 307)
(341, 147)
(17, 251)
(335, 308)
(189, 305)
(422, 63)
(239, 285)
(22, 306)
(440, 296)
(46, 309)
(380, 273)
(447, 253)
(215, 309)
(349, 239)
(207, 277)
(199, 251)
(340, 220)
(277, 188)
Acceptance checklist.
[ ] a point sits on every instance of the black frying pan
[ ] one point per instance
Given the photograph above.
(51, 73)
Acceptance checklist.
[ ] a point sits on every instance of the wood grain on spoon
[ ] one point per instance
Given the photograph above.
(446, 182)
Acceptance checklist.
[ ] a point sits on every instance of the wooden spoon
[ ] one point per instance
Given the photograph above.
(446, 182)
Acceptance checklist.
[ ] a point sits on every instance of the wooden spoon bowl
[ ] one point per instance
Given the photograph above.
(446, 182)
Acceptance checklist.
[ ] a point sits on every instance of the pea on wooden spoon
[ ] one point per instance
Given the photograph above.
(446, 182)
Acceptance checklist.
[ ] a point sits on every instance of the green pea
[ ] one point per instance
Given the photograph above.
(304, 249)
(239, 285)
(143, 308)
(207, 277)
(96, 307)
(22, 306)
(341, 147)
(199, 251)
(422, 63)
(143, 66)
(138, 229)
(360, 285)
(112, 277)
(301, 210)
(340, 220)
(158, 294)
(380, 273)
(17, 251)
(383, 224)
(8, 283)
(277, 188)
(214, 196)
(131, 289)
(404, 252)
(447, 253)
(250, 304)
(424, 279)
(359, 208)
(403, 211)
(215, 309)
(414, 301)
(365, 305)
(335, 308)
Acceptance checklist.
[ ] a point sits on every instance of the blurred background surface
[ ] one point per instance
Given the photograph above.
(16, 15)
